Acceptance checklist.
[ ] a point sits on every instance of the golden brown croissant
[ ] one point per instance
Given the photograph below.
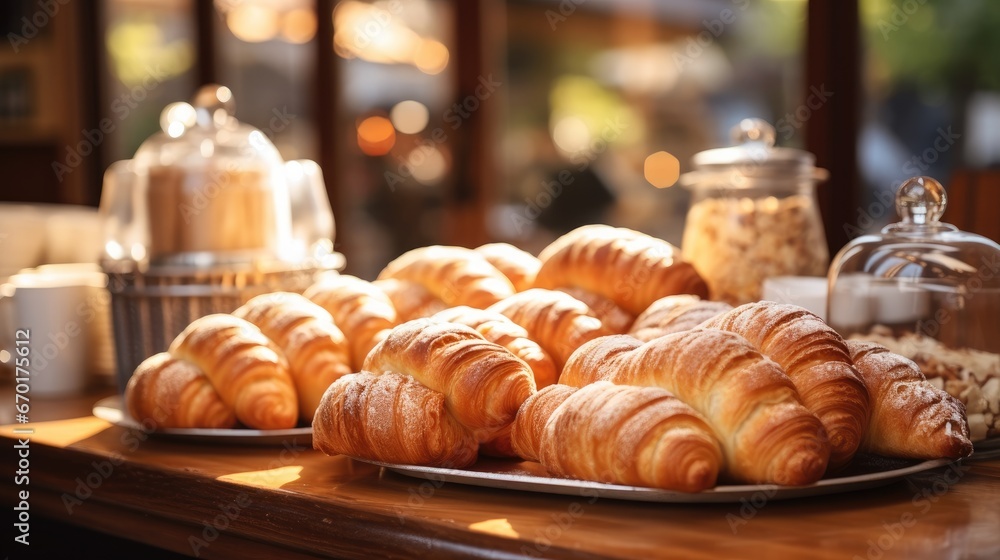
(639, 436)
(910, 417)
(674, 314)
(630, 268)
(362, 312)
(529, 425)
(456, 275)
(766, 434)
(393, 419)
(520, 267)
(411, 300)
(315, 348)
(815, 358)
(249, 374)
(499, 329)
(558, 322)
(165, 392)
(482, 382)
(614, 318)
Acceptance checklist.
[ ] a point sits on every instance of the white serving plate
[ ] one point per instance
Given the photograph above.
(531, 477)
(111, 409)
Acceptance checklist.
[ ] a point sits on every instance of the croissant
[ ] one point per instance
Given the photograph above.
(616, 319)
(456, 275)
(529, 424)
(674, 314)
(499, 329)
(520, 267)
(362, 312)
(817, 361)
(165, 392)
(767, 436)
(393, 419)
(315, 348)
(639, 436)
(411, 300)
(630, 268)
(250, 376)
(558, 322)
(910, 417)
(482, 382)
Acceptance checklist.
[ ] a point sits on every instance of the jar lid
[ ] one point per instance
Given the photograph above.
(754, 156)
(920, 247)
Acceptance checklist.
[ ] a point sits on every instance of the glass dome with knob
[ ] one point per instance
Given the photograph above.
(919, 279)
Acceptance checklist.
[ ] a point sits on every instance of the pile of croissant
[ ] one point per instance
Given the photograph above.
(601, 358)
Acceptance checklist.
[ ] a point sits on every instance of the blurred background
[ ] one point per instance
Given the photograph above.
(460, 122)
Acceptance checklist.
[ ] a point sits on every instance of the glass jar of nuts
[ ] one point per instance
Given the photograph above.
(753, 214)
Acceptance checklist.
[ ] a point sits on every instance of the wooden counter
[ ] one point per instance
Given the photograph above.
(290, 501)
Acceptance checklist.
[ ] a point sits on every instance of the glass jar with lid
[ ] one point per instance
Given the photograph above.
(753, 214)
(930, 292)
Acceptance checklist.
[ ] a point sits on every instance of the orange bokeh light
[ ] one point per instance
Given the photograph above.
(376, 136)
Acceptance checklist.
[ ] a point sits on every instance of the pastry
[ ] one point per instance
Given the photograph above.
(315, 348)
(637, 436)
(391, 418)
(672, 314)
(483, 383)
(456, 275)
(250, 375)
(767, 436)
(165, 392)
(362, 312)
(520, 267)
(910, 417)
(411, 300)
(499, 329)
(558, 322)
(630, 268)
(816, 359)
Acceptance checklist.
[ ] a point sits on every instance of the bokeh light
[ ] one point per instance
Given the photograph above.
(662, 169)
(431, 57)
(376, 136)
(298, 26)
(253, 23)
(409, 117)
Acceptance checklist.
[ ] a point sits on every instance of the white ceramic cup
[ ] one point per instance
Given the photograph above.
(52, 311)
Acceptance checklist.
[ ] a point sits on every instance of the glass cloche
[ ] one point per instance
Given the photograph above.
(921, 279)
(205, 190)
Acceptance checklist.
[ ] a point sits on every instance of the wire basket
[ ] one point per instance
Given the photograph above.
(150, 308)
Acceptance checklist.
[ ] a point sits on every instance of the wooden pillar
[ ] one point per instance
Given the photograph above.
(474, 180)
(833, 65)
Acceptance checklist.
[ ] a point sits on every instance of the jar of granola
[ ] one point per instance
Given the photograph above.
(930, 292)
(753, 214)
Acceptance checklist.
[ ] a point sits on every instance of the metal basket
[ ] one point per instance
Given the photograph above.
(150, 308)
